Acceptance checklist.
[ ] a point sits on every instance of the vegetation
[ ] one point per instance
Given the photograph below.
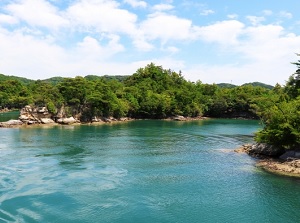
(280, 114)
(155, 92)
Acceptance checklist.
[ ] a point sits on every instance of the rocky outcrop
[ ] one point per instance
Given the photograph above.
(263, 149)
(33, 115)
(288, 168)
(274, 159)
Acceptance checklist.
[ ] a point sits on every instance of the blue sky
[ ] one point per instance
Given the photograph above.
(212, 41)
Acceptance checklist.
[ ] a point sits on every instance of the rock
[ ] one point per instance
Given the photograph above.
(243, 149)
(67, 121)
(11, 123)
(47, 121)
(106, 119)
(14, 122)
(266, 150)
(179, 118)
(42, 110)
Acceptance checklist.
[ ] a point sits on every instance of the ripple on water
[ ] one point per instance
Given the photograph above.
(139, 172)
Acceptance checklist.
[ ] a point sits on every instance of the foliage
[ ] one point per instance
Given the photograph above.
(280, 114)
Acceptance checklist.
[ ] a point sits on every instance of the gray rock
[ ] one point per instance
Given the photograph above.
(11, 123)
(14, 122)
(179, 118)
(67, 121)
(266, 150)
(47, 121)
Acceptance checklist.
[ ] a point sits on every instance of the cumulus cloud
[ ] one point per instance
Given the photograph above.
(267, 49)
(162, 7)
(285, 14)
(224, 32)
(255, 20)
(37, 13)
(170, 27)
(232, 16)
(94, 33)
(101, 16)
(7, 19)
(136, 3)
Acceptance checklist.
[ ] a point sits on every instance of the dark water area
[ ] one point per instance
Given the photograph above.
(6, 116)
(140, 171)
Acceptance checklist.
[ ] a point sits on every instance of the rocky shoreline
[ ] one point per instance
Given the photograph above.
(274, 159)
(36, 116)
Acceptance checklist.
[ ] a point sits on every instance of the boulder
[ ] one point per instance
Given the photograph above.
(14, 122)
(266, 150)
(11, 123)
(67, 121)
(179, 118)
(47, 121)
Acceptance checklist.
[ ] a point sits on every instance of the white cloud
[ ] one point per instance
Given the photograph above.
(170, 28)
(163, 7)
(136, 3)
(207, 12)
(224, 32)
(101, 16)
(285, 14)
(255, 20)
(90, 48)
(267, 50)
(232, 16)
(142, 44)
(37, 13)
(172, 49)
(7, 19)
(267, 12)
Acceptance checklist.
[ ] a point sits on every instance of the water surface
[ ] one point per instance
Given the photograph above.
(6, 116)
(140, 171)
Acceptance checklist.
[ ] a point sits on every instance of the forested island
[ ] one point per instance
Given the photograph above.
(153, 92)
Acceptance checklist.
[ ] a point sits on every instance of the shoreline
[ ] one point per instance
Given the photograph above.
(288, 166)
(21, 124)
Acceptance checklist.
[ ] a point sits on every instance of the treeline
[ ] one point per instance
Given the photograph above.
(151, 92)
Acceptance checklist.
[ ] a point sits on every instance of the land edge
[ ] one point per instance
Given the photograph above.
(285, 165)
(23, 124)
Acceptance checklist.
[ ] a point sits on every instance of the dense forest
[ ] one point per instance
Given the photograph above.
(154, 92)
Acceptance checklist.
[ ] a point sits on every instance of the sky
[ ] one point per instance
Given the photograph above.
(212, 41)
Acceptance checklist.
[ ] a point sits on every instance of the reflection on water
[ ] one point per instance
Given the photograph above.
(140, 171)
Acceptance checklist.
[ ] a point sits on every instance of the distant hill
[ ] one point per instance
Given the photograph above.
(120, 78)
(54, 80)
(21, 79)
(259, 84)
(226, 85)
(255, 84)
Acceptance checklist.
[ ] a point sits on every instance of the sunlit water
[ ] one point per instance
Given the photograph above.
(140, 171)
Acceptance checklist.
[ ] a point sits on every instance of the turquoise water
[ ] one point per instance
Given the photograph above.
(140, 171)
